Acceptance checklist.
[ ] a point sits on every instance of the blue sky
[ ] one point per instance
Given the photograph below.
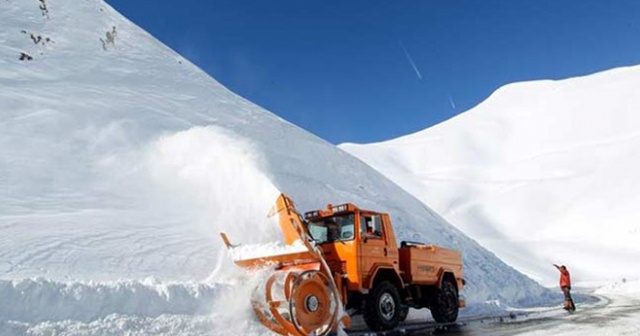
(368, 71)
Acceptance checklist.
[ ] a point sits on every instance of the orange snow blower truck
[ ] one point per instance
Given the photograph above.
(344, 261)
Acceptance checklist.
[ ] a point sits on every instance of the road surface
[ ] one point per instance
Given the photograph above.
(609, 315)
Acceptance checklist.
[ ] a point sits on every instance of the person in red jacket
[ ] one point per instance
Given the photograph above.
(565, 285)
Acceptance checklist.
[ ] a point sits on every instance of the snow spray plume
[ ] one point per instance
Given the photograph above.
(212, 179)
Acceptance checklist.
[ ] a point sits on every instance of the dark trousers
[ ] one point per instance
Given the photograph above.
(568, 301)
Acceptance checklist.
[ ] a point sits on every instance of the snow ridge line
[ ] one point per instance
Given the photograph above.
(37, 300)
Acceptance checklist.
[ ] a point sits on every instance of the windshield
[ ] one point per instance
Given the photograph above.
(330, 229)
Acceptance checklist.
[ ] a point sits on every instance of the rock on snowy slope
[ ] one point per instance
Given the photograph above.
(541, 172)
(120, 160)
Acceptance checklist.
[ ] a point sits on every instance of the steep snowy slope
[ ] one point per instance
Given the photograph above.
(541, 172)
(120, 162)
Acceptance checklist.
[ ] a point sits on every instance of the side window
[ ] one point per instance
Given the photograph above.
(371, 226)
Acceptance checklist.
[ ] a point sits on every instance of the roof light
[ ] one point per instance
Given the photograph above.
(340, 208)
(312, 214)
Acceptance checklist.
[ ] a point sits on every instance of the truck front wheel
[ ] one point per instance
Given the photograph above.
(382, 307)
(446, 304)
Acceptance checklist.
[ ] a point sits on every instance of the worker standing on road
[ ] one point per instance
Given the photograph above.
(565, 285)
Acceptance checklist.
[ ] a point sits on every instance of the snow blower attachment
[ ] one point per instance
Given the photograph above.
(300, 296)
(346, 259)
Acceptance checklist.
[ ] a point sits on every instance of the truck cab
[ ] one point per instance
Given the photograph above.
(378, 279)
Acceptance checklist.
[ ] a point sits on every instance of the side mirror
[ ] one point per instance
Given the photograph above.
(347, 235)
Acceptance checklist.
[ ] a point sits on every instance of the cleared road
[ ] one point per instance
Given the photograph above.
(610, 315)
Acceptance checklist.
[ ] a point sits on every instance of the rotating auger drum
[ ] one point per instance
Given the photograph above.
(300, 297)
(297, 302)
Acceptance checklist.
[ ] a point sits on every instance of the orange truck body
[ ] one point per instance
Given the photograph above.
(424, 264)
(366, 253)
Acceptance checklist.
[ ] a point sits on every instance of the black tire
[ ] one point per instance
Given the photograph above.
(382, 307)
(446, 303)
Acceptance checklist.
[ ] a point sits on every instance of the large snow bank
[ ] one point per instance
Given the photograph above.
(43, 307)
(541, 172)
(38, 300)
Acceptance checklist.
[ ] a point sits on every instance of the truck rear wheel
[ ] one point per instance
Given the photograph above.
(382, 307)
(446, 303)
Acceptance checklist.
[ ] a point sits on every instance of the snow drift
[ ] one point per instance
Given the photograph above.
(541, 172)
(120, 160)
(38, 300)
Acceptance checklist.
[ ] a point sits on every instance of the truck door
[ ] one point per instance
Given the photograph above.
(373, 247)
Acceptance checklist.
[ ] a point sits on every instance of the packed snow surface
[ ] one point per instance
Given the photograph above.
(541, 172)
(120, 162)
(620, 315)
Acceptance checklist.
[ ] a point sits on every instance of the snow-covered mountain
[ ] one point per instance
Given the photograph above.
(120, 162)
(541, 172)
